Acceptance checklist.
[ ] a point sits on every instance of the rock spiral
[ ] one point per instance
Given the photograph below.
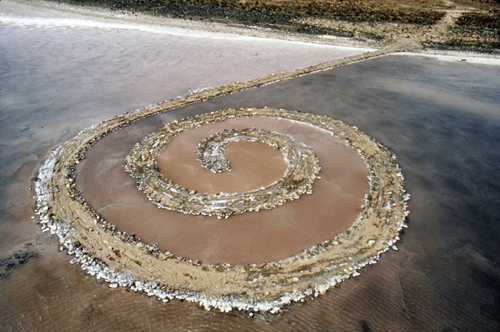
(303, 168)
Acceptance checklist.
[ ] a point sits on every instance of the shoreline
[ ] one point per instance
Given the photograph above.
(461, 28)
(446, 36)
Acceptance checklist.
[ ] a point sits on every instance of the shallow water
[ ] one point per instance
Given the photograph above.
(441, 119)
(249, 238)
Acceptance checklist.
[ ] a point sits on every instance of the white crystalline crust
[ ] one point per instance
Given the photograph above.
(303, 168)
(123, 260)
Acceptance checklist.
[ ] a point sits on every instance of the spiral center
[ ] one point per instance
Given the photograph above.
(253, 165)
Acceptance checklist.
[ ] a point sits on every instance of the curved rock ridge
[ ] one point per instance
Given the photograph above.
(123, 260)
(303, 168)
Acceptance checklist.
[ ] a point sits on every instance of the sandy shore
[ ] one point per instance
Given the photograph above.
(451, 26)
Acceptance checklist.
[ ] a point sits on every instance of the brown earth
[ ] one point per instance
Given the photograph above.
(448, 24)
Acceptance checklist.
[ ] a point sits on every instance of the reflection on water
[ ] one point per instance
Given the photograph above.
(441, 120)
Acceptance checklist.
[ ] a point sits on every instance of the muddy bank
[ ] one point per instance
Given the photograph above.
(469, 25)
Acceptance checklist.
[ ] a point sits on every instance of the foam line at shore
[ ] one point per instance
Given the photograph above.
(475, 58)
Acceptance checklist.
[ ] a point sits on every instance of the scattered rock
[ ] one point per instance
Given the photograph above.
(17, 259)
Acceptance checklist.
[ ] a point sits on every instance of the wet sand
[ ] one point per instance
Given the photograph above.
(440, 118)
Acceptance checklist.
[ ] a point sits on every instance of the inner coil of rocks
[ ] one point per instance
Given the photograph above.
(302, 170)
(124, 260)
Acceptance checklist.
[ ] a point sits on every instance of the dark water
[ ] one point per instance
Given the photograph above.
(442, 120)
